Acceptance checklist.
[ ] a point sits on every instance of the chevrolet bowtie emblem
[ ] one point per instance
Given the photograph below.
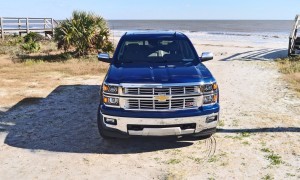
(161, 98)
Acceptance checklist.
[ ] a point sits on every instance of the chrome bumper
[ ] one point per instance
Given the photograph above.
(200, 122)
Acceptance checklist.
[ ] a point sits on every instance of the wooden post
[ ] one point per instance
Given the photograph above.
(27, 25)
(52, 25)
(2, 29)
(290, 47)
(45, 23)
(19, 23)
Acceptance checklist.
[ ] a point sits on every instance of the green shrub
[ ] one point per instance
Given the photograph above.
(31, 46)
(33, 36)
(31, 42)
(66, 56)
(11, 45)
(83, 32)
(14, 41)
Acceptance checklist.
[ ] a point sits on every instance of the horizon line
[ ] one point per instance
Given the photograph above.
(200, 19)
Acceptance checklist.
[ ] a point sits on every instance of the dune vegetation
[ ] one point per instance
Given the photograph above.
(83, 33)
(72, 51)
(291, 68)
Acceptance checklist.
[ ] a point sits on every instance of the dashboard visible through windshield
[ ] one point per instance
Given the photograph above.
(156, 50)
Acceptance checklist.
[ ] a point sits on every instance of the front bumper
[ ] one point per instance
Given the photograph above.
(162, 126)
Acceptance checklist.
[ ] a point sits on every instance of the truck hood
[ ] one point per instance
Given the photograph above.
(158, 73)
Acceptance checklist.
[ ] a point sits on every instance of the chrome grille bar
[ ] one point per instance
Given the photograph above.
(171, 104)
(147, 98)
(176, 90)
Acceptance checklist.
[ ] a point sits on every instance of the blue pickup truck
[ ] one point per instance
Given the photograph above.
(157, 85)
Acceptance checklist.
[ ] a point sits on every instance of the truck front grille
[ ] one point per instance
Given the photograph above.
(171, 104)
(177, 90)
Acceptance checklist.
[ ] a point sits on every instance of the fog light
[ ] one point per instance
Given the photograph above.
(110, 121)
(211, 119)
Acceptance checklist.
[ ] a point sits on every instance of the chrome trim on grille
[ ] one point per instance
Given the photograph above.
(161, 98)
(148, 91)
(164, 85)
(151, 104)
(145, 97)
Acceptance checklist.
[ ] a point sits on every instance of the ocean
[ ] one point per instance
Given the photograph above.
(259, 31)
(249, 26)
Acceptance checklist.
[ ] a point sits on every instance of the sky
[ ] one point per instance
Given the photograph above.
(156, 9)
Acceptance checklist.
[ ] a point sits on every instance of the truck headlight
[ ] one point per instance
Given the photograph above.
(210, 99)
(110, 89)
(208, 87)
(112, 101)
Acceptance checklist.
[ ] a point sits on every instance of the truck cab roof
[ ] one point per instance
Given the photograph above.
(153, 34)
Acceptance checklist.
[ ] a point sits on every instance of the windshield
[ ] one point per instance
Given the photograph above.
(156, 50)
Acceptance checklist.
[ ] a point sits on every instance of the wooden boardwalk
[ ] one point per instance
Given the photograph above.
(294, 40)
(14, 25)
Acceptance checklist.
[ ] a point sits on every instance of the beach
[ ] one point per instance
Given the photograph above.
(50, 130)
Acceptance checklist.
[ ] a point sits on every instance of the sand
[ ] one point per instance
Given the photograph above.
(52, 133)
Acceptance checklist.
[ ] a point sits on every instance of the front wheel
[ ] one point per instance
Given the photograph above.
(205, 137)
(198, 136)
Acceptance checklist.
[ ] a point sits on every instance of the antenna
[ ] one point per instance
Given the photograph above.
(113, 35)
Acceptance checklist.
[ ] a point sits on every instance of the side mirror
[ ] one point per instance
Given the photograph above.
(104, 57)
(206, 56)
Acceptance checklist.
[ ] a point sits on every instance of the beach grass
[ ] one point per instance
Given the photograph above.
(16, 62)
(32, 67)
(291, 68)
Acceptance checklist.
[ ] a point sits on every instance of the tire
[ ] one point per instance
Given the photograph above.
(202, 136)
(205, 137)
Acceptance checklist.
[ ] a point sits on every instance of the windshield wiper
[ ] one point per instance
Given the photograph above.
(127, 61)
(164, 61)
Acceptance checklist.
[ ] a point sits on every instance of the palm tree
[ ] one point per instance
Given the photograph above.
(84, 32)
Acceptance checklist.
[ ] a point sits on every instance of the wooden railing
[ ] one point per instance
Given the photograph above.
(12, 25)
(293, 35)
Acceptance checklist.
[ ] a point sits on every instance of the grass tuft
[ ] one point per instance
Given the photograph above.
(267, 177)
(173, 161)
(213, 159)
(246, 143)
(267, 150)
(245, 134)
(221, 123)
(240, 136)
(275, 159)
